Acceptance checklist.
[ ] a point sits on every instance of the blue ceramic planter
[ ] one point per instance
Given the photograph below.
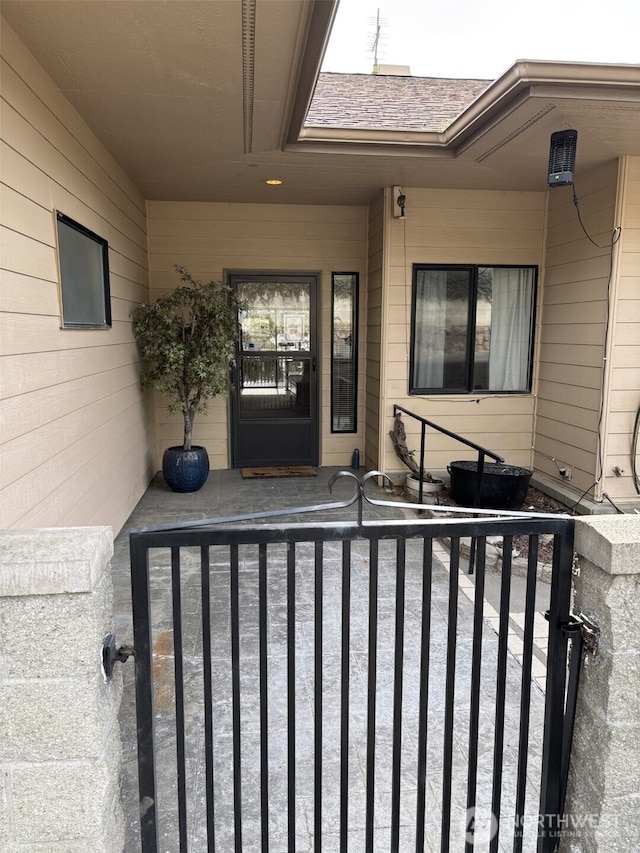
(185, 470)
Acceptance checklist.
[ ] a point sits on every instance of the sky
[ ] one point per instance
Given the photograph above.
(481, 40)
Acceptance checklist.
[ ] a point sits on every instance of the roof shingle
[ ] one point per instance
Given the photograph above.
(379, 102)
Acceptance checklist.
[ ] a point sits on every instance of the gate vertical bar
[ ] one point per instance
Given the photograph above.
(264, 703)
(318, 683)
(501, 684)
(372, 676)
(291, 696)
(344, 695)
(205, 587)
(425, 651)
(476, 664)
(235, 695)
(178, 667)
(397, 696)
(452, 627)
(551, 785)
(525, 693)
(141, 610)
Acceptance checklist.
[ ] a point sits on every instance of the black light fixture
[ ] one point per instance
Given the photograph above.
(562, 158)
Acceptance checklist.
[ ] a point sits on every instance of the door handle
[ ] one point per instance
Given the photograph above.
(313, 364)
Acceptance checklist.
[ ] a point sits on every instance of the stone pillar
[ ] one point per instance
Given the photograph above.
(603, 797)
(59, 737)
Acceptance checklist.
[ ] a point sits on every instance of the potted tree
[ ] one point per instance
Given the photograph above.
(187, 341)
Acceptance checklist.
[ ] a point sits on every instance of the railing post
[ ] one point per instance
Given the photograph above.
(422, 442)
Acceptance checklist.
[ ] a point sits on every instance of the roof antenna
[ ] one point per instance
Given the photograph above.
(375, 45)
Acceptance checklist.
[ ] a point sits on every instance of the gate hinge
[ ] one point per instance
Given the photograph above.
(111, 655)
(580, 623)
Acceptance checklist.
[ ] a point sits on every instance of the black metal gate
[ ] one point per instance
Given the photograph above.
(337, 685)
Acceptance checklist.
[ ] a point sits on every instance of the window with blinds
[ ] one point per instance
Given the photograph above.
(344, 351)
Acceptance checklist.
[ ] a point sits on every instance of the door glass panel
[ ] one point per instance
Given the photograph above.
(276, 316)
(274, 360)
(274, 386)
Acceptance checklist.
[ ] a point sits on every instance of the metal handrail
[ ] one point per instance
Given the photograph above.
(482, 451)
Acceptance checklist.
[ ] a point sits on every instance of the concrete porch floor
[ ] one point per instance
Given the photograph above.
(226, 493)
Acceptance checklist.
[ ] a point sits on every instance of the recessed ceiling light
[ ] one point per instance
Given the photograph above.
(273, 182)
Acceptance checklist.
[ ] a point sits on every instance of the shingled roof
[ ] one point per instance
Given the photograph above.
(390, 102)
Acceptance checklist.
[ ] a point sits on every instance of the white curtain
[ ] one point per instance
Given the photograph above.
(511, 317)
(429, 339)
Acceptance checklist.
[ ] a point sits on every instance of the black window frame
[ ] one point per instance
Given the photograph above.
(67, 321)
(471, 329)
(354, 351)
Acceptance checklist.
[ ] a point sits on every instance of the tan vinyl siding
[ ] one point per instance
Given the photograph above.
(374, 319)
(624, 388)
(455, 227)
(210, 239)
(574, 318)
(74, 426)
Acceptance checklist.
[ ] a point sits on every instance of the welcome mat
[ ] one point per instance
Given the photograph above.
(282, 471)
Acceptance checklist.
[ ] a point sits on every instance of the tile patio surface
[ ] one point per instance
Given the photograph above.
(227, 493)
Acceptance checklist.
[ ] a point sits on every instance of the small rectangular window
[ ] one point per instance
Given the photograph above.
(84, 276)
(344, 351)
(472, 329)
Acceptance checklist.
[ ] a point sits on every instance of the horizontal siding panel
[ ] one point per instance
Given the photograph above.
(164, 252)
(580, 272)
(478, 200)
(29, 451)
(23, 294)
(627, 357)
(44, 121)
(566, 414)
(574, 456)
(56, 479)
(625, 378)
(464, 254)
(623, 400)
(197, 230)
(465, 220)
(572, 292)
(569, 374)
(484, 239)
(28, 334)
(576, 314)
(20, 374)
(245, 213)
(27, 412)
(583, 333)
(23, 215)
(24, 177)
(29, 257)
(626, 334)
(567, 433)
(573, 395)
(574, 354)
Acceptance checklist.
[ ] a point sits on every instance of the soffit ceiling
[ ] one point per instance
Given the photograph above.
(194, 99)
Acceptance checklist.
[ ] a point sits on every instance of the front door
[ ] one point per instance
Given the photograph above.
(274, 401)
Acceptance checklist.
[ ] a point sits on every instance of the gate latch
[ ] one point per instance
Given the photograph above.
(586, 627)
(111, 655)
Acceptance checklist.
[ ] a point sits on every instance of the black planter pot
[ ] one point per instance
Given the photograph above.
(185, 470)
(503, 486)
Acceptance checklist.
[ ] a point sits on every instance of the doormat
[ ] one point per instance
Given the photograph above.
(273, 472)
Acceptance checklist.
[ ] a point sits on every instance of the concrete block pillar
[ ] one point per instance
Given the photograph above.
(603, 797)
(59, 737)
